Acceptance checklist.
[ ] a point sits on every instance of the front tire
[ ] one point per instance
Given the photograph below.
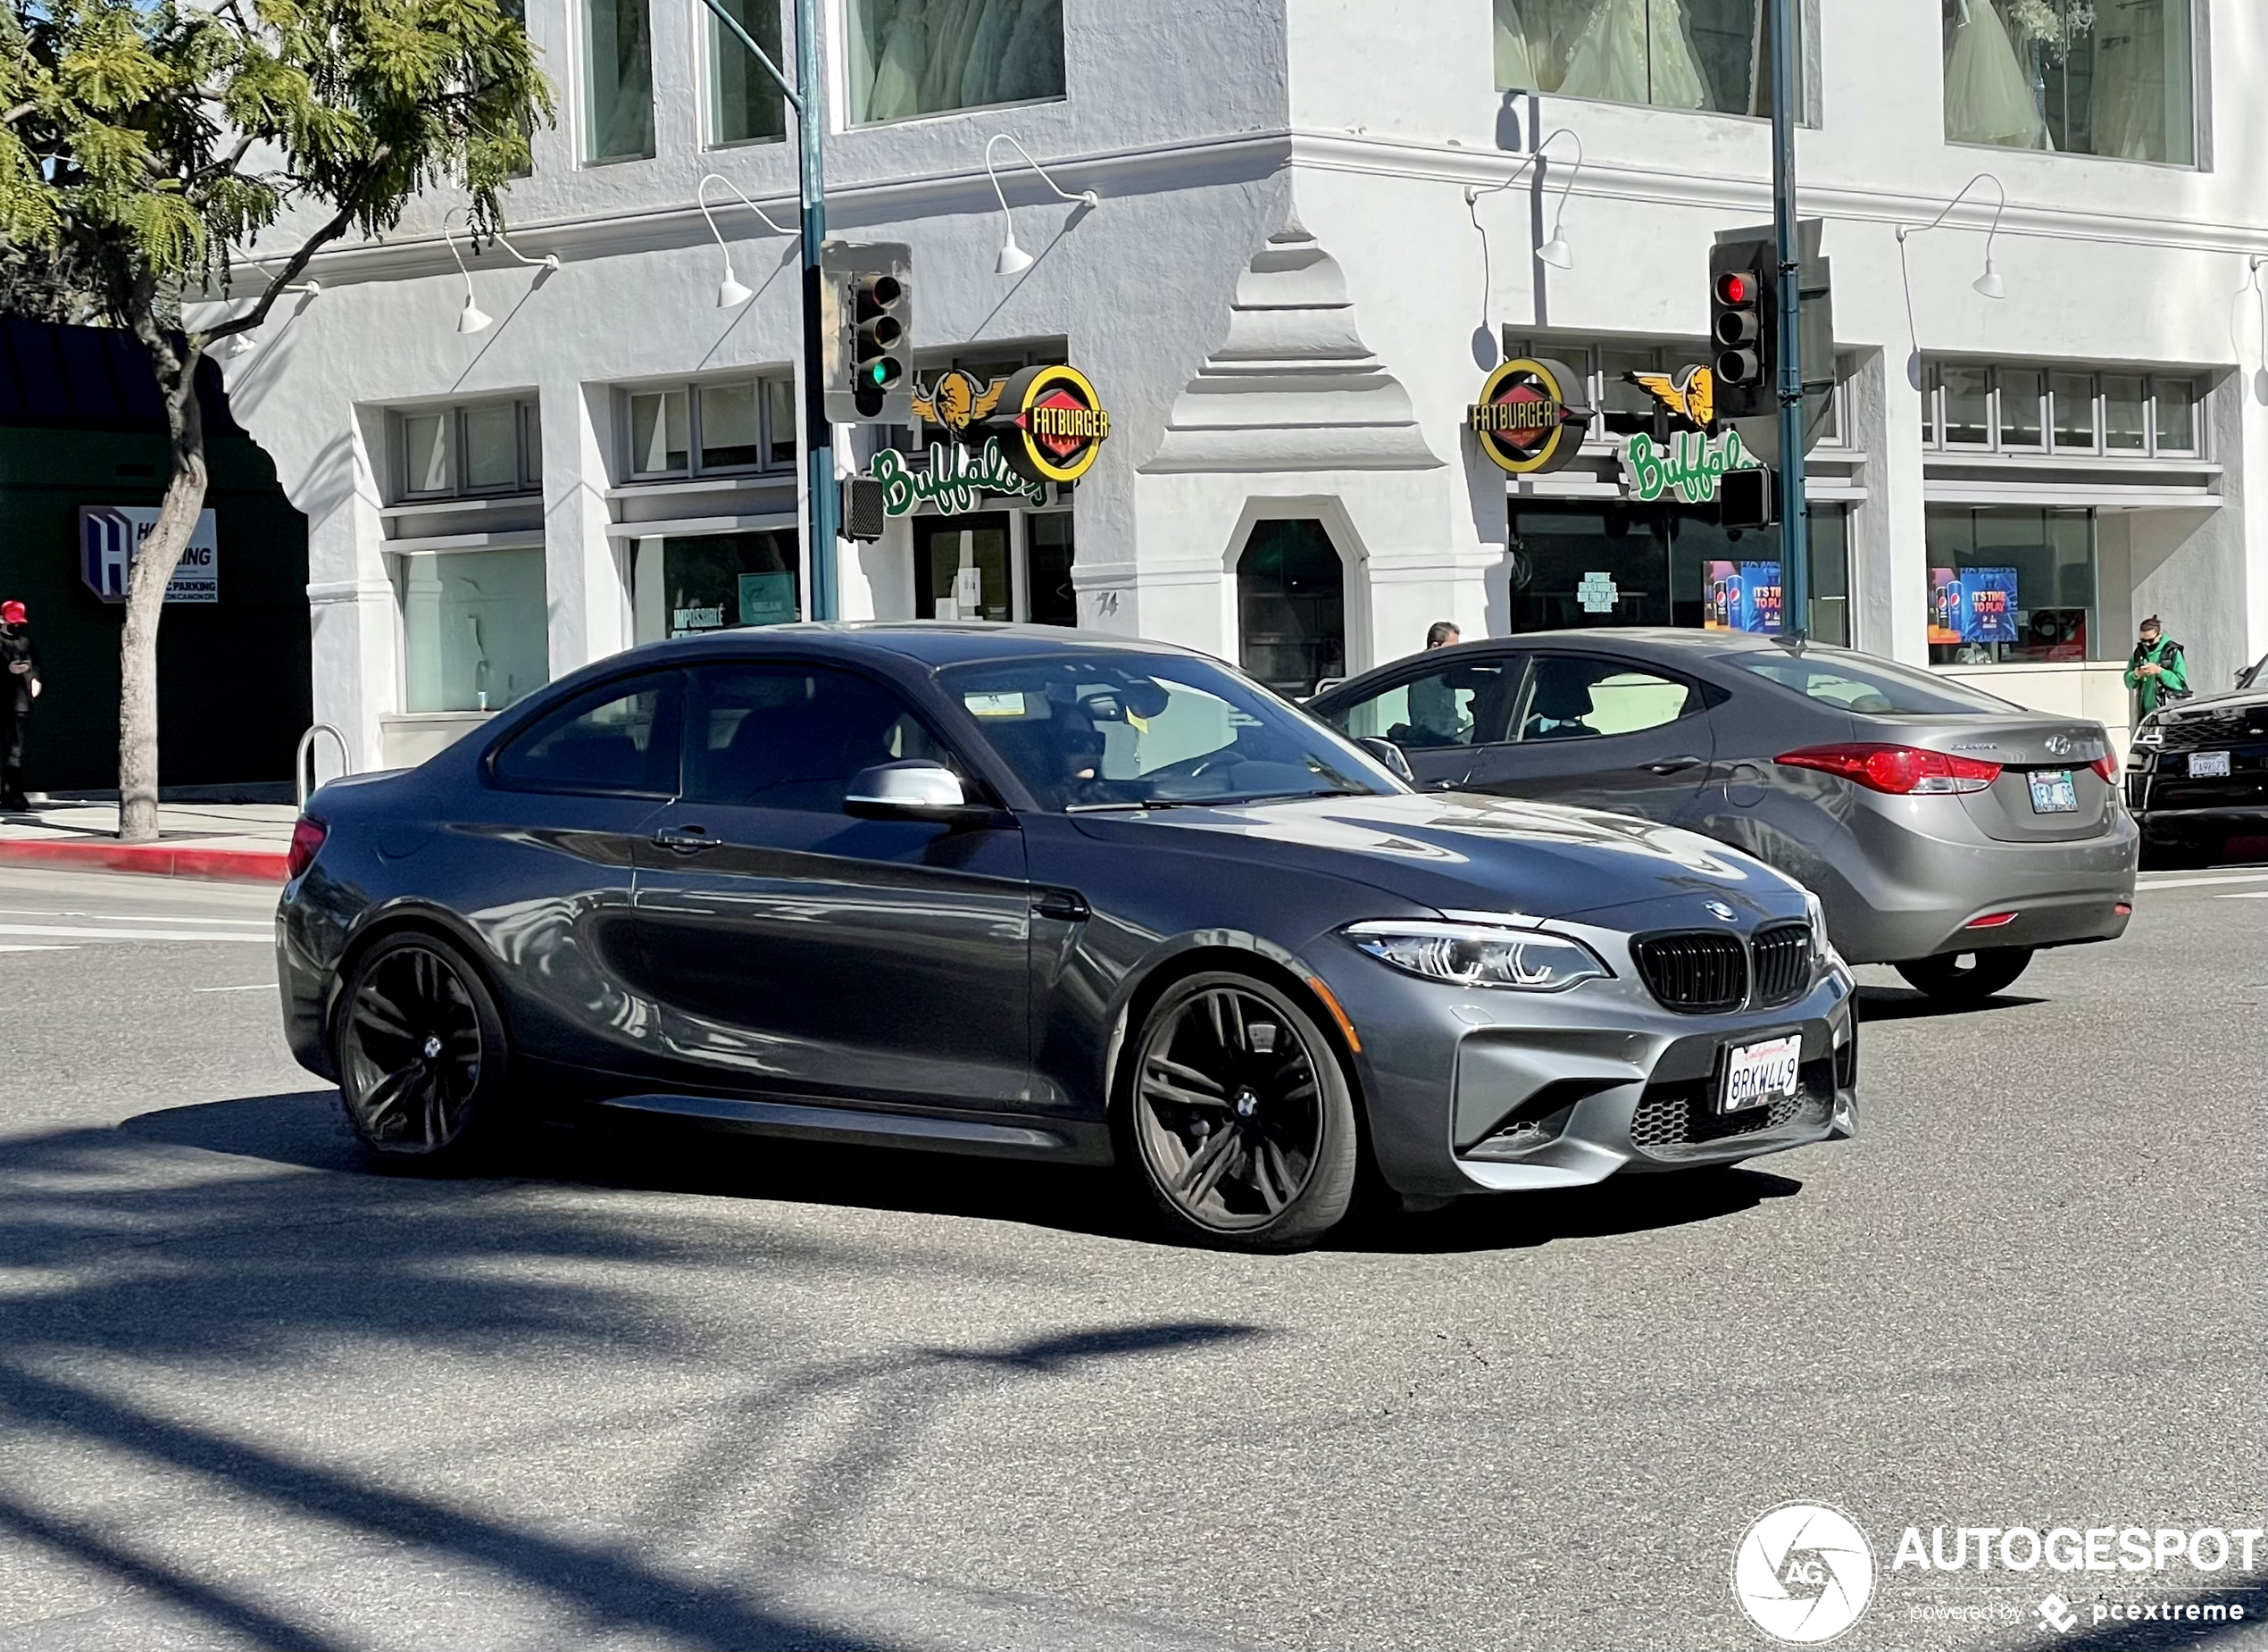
(1989, 969)
(422, 1064)
(1241, 1116)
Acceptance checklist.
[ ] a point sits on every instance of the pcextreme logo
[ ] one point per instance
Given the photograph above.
(1804, 1572)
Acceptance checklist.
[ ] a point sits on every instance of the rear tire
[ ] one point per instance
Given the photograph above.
(1990, 970)
(423, 1069)
(1237, 1116)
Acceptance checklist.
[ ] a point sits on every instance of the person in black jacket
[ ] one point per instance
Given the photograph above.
(19, 687)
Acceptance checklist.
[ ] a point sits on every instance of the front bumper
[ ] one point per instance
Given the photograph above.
(1470, 1091)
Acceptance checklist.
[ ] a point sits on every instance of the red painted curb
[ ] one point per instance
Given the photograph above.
(163, 860)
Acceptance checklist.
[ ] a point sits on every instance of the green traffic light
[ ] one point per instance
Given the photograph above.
(880, 372)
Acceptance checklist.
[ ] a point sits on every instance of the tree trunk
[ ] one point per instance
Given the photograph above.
(174, 363)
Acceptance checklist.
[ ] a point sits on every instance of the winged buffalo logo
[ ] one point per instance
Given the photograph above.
(957, 401)
(1691, 397)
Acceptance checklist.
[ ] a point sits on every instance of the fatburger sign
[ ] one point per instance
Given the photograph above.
(1056, 424)
(1525, 420)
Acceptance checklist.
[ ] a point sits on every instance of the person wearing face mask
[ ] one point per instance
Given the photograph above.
(21, 688)
(2156, 670)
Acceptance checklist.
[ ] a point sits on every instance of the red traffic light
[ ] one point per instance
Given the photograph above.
(1736, 288)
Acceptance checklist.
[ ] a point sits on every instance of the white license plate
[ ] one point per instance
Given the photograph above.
(2052, 792)
(2208, 766)
(1757, 1073)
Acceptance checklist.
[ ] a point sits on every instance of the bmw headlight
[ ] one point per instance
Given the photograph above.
(1822, 944)
(1478, 954)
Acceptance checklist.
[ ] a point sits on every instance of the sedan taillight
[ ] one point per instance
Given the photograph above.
(1901, 770)
(2107, 765)
(306, 838)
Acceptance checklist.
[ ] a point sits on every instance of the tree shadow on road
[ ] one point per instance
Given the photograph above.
(146, 1288)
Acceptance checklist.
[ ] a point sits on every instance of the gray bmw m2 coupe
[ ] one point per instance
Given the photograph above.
(1024, 891)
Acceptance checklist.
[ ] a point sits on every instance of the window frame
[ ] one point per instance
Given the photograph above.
(841, 23)
(398, 566)
(1934, 426)
(527, 436)
(714, 39)
(599, 694)
(2200, 127)
(1696, 699)
(767, 463)
(586, 133)
(1516, 661)
(1809, 98)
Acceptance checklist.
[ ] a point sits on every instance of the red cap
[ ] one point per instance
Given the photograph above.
(12, 613)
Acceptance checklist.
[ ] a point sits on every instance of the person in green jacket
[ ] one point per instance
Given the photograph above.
(2156, 672)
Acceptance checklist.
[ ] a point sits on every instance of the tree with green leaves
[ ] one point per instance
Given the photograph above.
(143, 145)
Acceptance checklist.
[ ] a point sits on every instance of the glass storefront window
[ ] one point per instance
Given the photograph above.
(2114, 78)
(1048, 554)
(2011, 585)
(475, 629)
(917, 57)
(1711, 54)
(1667, 565)
(745, 105)
(714, 582)
(960, 568)
(618, 74)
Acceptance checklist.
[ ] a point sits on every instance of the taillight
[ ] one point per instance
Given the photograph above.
(306, 838)
(1902, 771)
(2107, 765)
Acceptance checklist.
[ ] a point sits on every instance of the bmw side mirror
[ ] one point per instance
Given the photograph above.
(1387, 753)
(916, 790)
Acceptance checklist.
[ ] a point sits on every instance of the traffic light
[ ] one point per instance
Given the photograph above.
(1743, 329)
(1748, 498)
(866, 326)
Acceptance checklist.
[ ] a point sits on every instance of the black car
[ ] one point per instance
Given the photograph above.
(1033, 892)
(2197, 776)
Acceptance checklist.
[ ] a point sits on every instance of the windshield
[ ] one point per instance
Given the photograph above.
(1121, 730)
(1868, 685)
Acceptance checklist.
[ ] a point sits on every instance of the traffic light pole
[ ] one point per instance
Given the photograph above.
(1795, 524)
(823, 504)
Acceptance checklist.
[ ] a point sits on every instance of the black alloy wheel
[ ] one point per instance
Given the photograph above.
(421, 1053)
(1967, 977)
(1242, 1115)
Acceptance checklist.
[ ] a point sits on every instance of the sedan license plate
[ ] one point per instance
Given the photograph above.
(1756, 1073)
(2208, 766)
(2052, 792)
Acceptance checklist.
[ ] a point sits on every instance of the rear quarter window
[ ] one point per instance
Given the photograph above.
(1869, 686)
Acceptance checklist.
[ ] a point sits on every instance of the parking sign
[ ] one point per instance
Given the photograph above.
(111, 536)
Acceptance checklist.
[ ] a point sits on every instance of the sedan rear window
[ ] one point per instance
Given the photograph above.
(1870, 686)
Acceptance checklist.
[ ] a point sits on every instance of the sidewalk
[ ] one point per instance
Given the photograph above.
(234, 842)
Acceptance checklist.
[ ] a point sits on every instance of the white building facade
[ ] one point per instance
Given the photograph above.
(1289, 295)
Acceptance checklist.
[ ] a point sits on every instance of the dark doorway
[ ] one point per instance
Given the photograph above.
(1291, 606)
(945, 548)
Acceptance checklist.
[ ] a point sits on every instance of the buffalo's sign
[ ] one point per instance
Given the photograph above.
(1527, 419)
(1689, 466)
(955, 479)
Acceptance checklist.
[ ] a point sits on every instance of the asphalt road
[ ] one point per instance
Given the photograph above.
(665, 1390)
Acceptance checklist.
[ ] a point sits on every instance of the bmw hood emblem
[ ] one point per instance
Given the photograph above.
(1718, 909)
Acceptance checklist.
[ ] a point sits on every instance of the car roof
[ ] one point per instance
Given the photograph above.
(926, 642)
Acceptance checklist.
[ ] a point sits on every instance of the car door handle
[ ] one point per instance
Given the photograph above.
(1064, 905)
(1673, 765)
(684, 839)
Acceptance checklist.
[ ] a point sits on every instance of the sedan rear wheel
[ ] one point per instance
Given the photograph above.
(1967, 977)
(1240, 1114)
(421, 1054)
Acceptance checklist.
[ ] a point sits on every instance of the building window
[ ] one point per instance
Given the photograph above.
(1713, 55)
(2011, 585)
(704, 430)
(475, 630)
(1624, 407)
(2114, 78)
(618, 74)
(1291, 607)
(489, 447)
(744, 103)
(2028, 410)
(916, 57)
(715, 582)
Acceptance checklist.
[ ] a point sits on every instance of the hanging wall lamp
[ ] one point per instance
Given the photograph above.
(1555, 251)
(472, 318)
(731, 294)
(1013, 260)
(1990, 284)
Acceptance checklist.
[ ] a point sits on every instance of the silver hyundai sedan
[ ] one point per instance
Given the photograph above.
(1949, 832)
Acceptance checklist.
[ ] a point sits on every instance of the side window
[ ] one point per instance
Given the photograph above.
(1580, 697)
(791, 737)
(617, 741)
(1467, 704)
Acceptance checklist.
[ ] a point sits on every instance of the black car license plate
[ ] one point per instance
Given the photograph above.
(2052, 792)
(2208, 766)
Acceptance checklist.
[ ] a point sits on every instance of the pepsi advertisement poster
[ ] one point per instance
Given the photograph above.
(1972, 604)
(1742, 596)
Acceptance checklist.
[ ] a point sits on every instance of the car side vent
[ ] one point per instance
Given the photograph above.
(1701, 973)
(1782, 963)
